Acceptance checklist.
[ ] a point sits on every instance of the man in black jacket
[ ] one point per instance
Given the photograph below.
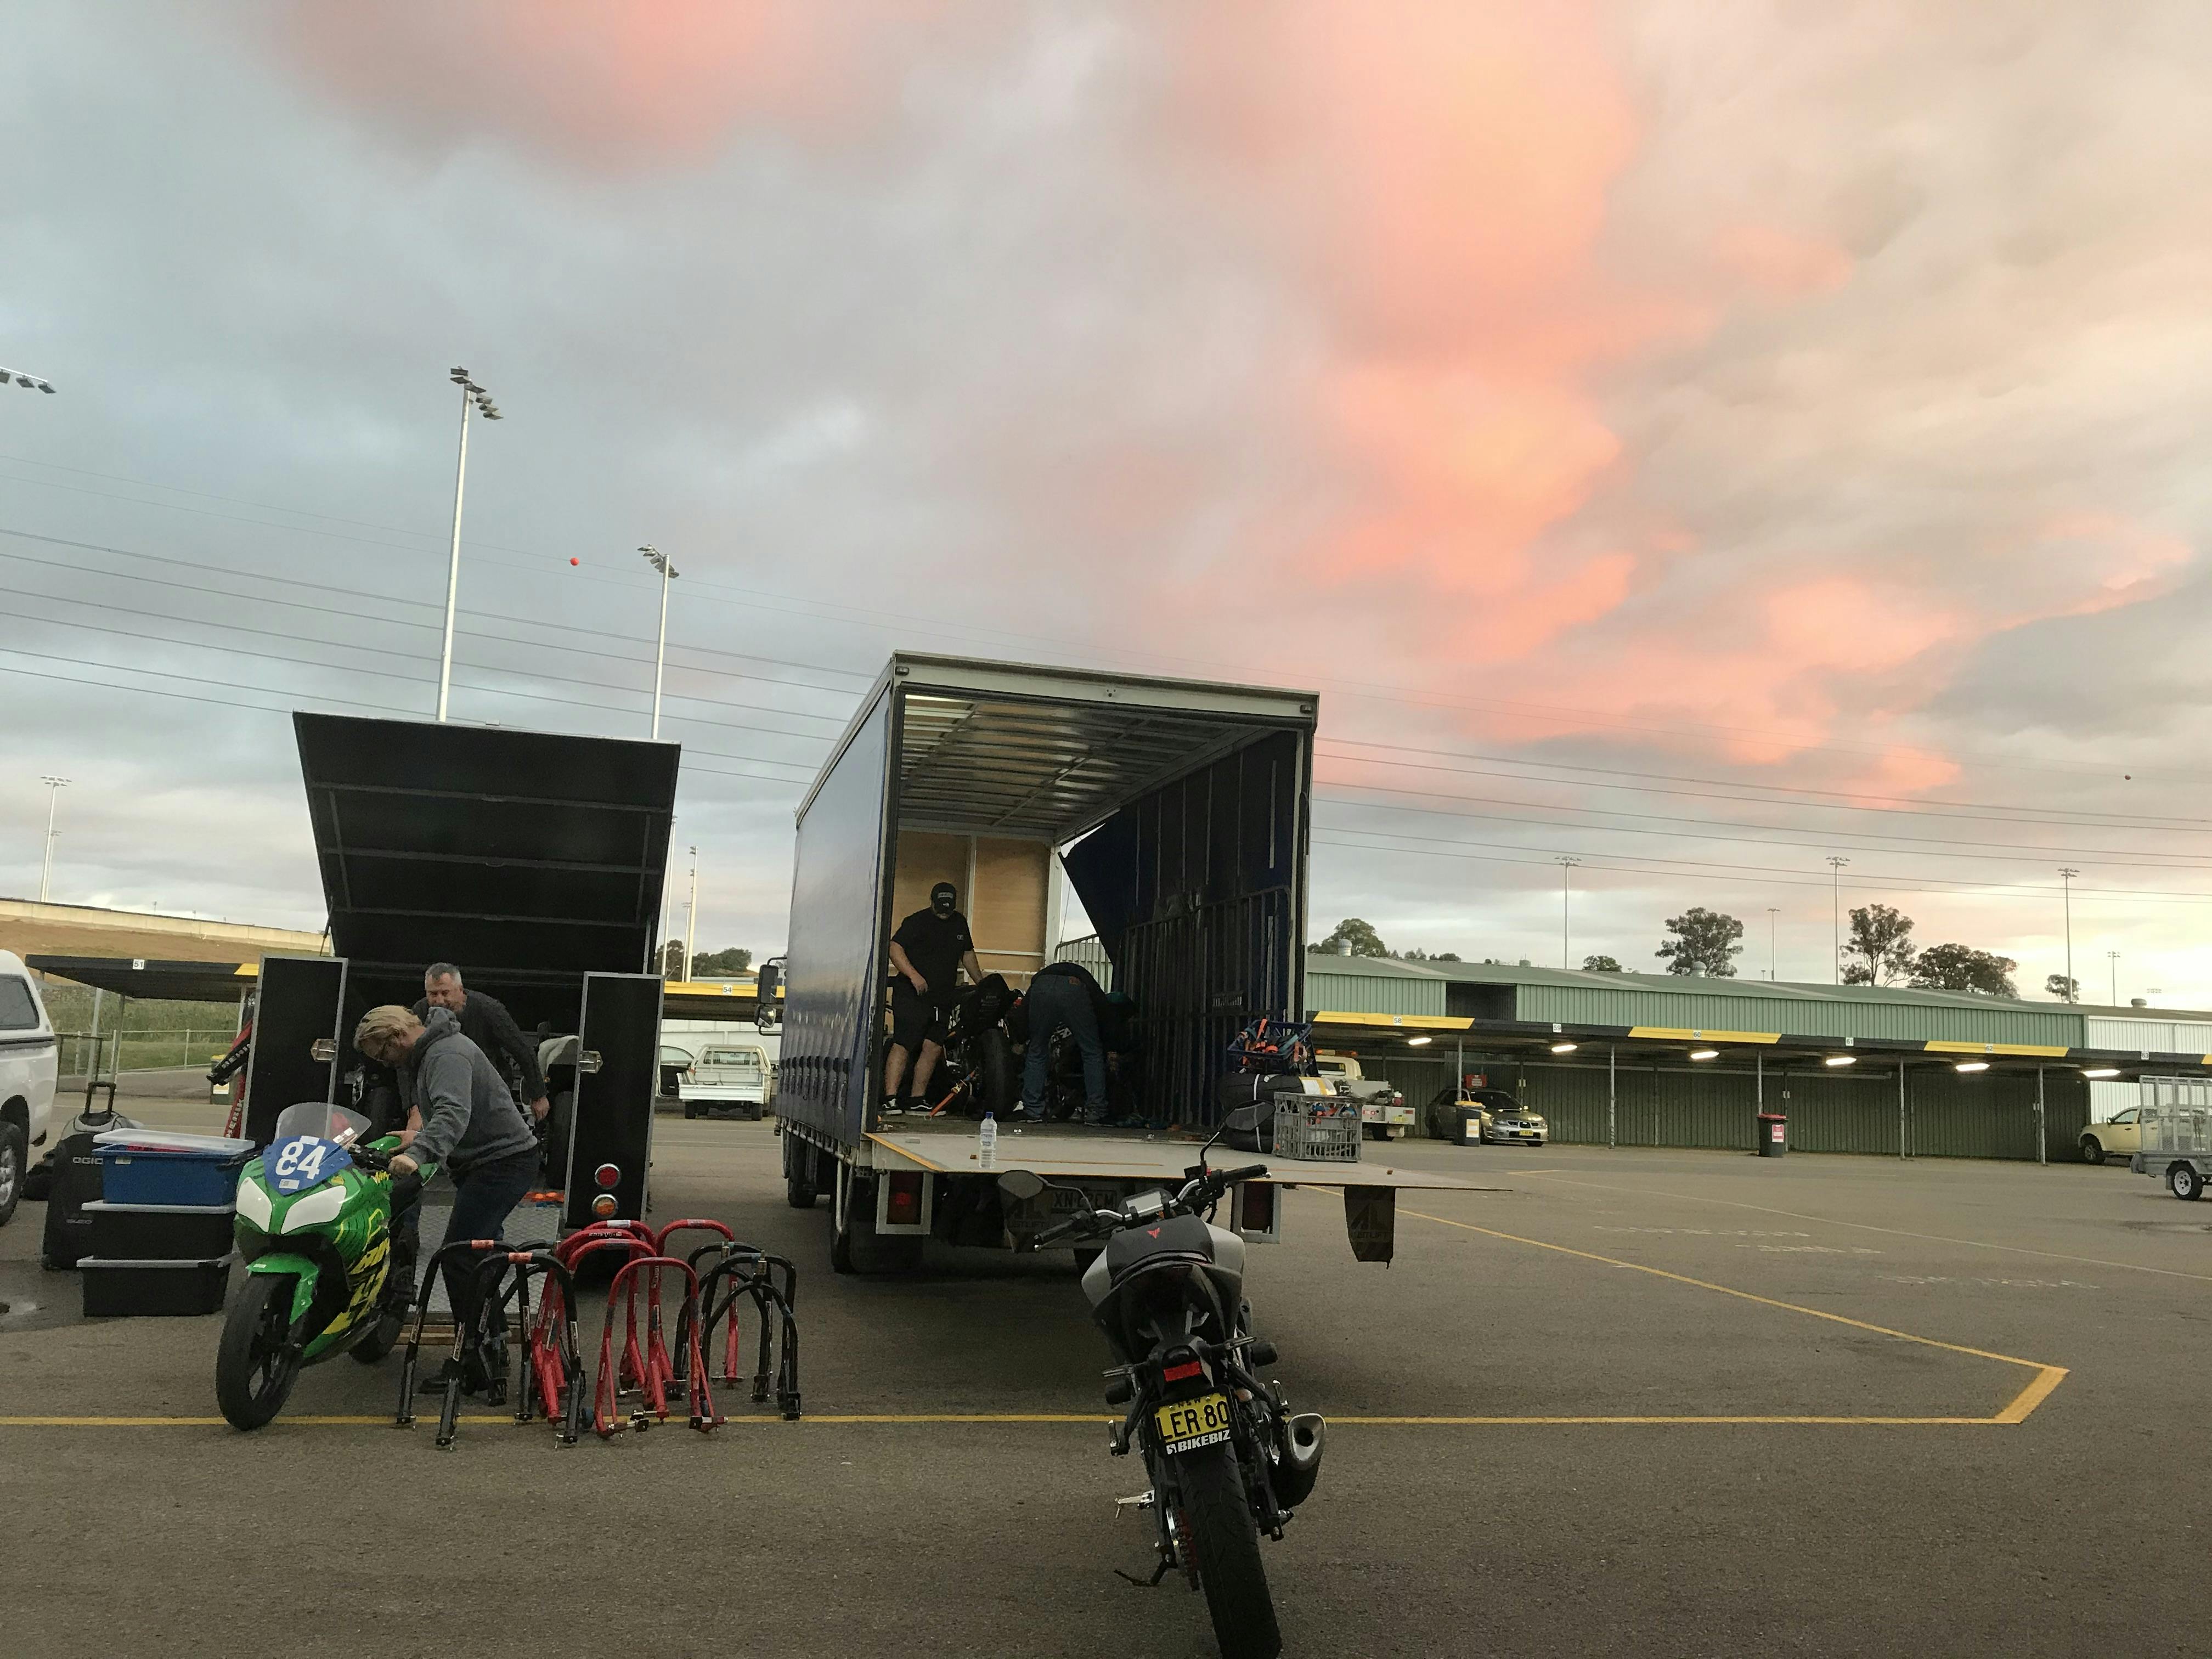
(486, 1022)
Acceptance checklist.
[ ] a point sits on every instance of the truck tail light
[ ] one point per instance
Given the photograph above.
(902, 1203)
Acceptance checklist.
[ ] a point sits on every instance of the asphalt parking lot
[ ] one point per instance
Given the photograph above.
(1617, 1402)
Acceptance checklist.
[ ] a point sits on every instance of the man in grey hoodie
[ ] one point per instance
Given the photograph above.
(469, 1125)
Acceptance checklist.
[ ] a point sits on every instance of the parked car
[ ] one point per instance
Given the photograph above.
(29, 1061)
(728, 1077)
(1383, 1112)
(2119, 1136)
(1504, 1122)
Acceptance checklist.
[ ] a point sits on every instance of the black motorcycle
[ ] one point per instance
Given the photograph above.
(1226, 1458)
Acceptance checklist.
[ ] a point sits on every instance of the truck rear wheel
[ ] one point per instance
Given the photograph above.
(799, 1189)
(2183, 1181)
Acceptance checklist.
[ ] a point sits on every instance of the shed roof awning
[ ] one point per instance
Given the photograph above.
(1434, 1036)
(142, 976)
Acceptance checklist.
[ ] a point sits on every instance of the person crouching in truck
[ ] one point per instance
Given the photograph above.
(470, 1126)
(1063, 994)
(927, 953)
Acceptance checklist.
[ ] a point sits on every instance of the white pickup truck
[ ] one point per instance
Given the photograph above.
(29, 1058)
(728, 1077)
(1383, 1112)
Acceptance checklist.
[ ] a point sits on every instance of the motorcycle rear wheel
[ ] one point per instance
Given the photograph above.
(1224, 1544)
(253, 1377)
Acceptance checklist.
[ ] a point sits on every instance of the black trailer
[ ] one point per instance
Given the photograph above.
(532, 860)
(1176, 809)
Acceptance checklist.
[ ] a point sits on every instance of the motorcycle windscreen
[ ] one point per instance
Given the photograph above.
(617, 1077)
(299, 1004)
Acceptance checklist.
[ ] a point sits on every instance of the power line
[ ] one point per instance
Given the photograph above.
(1843, 800)
(1927, 848)
(1689, 869)
(753, 598)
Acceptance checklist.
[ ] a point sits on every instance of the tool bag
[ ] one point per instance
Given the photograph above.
(76, 1183)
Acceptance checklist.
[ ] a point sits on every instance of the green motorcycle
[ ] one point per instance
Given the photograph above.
(315, 1228)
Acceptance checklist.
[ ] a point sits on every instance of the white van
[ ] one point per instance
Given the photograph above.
(29, 1060)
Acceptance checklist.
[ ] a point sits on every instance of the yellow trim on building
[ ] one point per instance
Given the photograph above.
(1410, 1021)
(2031, 1050)
(1677, 1033)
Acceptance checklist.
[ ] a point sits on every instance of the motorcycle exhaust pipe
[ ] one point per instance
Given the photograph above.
(1299, 1444)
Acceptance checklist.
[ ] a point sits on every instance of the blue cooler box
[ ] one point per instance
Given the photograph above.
(141, 1175)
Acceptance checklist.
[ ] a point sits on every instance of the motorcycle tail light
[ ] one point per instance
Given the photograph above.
(603, 1205)
(606, 1175)
(1184, 1372)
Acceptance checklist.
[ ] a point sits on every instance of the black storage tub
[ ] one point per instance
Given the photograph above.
(122, 1290)
(160, 1232)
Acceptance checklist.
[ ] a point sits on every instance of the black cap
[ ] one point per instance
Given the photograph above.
(945, 890)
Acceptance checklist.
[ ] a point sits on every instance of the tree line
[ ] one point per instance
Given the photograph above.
(1878, 951)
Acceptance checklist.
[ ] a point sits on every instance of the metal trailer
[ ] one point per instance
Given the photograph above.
(2176, 1122)
(534, 861)
(1176, 810)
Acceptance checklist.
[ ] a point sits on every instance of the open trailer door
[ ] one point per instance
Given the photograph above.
(532, 860)
(617, 1075)
(299, 1009)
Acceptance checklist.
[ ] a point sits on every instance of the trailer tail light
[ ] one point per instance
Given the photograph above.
(1184, 1372)
(605, 1176)
(1259, 1205)
(603, 1205)
(902, 1205)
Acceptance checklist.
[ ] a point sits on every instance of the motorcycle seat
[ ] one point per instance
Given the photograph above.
(1186, 1236)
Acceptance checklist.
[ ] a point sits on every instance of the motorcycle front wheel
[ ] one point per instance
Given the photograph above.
(253, 1374)
(1224, 1545)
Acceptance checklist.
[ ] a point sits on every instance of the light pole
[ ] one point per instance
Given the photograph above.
(470, 393)
(1836, 915)
(2113, 958)
(28, 382)
(54, 787)
(2066, 881)
(1567, 862)
(691, 918)
(667, 567)
(1771, 912)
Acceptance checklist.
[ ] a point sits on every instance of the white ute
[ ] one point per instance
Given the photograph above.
(728, 1077)
(1383, 1112)
(29, 1059)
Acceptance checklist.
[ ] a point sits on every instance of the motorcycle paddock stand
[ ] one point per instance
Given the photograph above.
(747, 1272)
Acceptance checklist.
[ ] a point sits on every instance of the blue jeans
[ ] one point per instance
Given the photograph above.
(1055, 1000)
(482, 1199)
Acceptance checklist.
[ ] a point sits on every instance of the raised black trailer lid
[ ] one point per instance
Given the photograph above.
(528, 858)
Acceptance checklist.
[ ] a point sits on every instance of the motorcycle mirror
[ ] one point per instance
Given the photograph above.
(1243, 1121)
(1021, 1185)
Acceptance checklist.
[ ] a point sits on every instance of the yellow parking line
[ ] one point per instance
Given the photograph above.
(2047, 1377)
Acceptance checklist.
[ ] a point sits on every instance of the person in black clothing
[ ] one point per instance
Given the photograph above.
(486, 1022)
(1063, 994)
(927, 953)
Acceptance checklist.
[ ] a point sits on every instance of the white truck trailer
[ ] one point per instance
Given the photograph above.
(1177, 812)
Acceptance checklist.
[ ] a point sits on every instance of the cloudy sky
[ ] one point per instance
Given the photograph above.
(1699, 439)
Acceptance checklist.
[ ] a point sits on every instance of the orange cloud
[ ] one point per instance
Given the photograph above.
(610, 85)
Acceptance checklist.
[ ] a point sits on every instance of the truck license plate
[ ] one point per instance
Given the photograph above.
(1190, 1424)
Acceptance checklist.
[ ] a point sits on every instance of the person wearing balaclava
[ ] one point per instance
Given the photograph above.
(927, 953)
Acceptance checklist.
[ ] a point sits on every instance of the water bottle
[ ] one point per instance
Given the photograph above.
(986, 1143)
